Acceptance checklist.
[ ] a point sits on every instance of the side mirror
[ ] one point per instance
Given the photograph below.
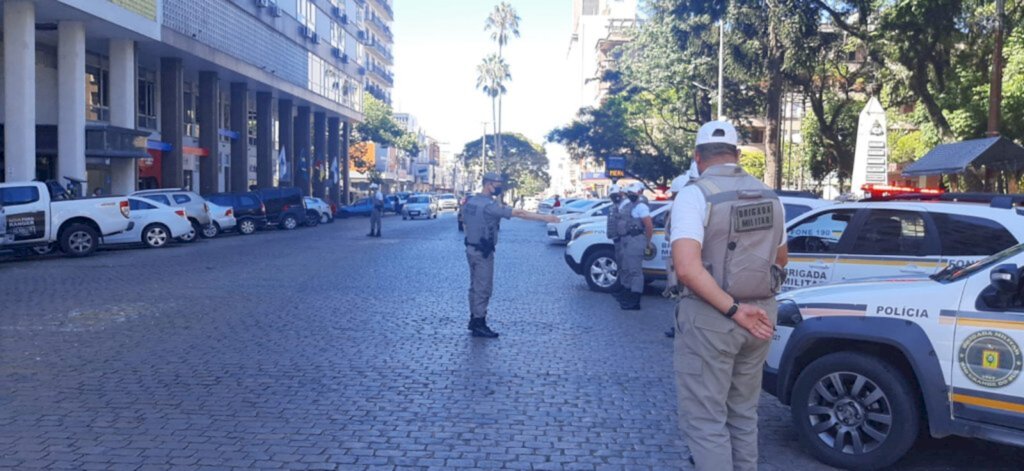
(1005, 278)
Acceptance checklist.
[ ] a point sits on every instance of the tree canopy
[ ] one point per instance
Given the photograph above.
(524, 164)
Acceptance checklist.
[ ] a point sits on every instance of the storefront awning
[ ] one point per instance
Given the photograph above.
(994, 153)
(104, 141)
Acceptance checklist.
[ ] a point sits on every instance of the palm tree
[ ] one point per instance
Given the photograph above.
(491, 76)
(503, 23)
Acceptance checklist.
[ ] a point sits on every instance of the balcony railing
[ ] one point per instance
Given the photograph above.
(382, 28)
(384, 75)
(383, 51)
(386, 6)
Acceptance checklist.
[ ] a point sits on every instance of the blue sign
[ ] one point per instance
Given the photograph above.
(615, 167)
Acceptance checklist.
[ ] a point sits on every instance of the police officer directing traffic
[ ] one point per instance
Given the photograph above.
(728, 250)
(376, 211)
(482, 214)
(635, 229)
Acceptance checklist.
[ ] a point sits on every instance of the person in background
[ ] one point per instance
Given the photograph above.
(377, 211)
(636, 230)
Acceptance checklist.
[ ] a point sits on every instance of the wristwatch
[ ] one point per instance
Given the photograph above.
(732, 309)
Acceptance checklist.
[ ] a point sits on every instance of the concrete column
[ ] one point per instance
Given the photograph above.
(208, 115)
(240, 147)
(123, 179)
(303, 154)
(19, 36)
(71, 100)
(333, 152)
(346, 137)
(286, 139)
(320, 153)
(264, 143)
(172, 122)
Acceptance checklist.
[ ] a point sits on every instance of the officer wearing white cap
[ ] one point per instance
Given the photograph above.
(377, 210)
(612, 226)
(635, 230)
(728, 247)
(481, 215)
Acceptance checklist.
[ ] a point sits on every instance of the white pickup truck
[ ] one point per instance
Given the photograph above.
(43, 214)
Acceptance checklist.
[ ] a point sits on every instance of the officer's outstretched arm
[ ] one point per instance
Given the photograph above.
(530, 216)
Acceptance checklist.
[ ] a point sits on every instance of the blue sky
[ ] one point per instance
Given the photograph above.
(438, 44)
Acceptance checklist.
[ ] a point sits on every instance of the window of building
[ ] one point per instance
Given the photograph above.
(189, 98)
(146, 99)
(97, 88)
(337, 36)
(306, 13)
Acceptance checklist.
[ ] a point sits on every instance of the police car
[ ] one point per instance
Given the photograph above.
(863, 239)
(591, 254)
(561, 231)
(866, 365)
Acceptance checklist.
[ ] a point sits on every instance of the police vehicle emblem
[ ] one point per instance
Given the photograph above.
(990, 359)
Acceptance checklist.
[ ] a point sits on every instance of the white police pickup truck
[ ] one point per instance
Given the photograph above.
(866, 365)
(561, 231)
(41, 214)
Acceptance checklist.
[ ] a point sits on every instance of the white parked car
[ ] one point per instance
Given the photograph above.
(195, 207)
(421, 205)
(576, 206)
(447, 202)
(155, 224)
(43, 215)
(869, 366)
(561, 231)
(223, 219)
(318, 211)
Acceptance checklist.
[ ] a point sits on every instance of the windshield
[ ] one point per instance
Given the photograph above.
(418, 199)
(447, 197)
(953, 273)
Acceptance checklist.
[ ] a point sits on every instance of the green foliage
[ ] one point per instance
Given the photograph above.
(378, 124)
(826, 153)
(907, 146)
(503, 22)
(523, 162)
(753, 162)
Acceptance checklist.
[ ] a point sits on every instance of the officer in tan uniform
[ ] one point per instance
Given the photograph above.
(612, 229)
(481, 215)
(636, 230)
(728, 248)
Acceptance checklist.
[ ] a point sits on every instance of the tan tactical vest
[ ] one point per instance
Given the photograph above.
(743, 229)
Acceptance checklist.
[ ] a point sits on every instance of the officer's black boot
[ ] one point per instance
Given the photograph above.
(472, 323)
(481, 329)
(671, 333)
(631, 301)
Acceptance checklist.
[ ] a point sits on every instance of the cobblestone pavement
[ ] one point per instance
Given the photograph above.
(323, 349)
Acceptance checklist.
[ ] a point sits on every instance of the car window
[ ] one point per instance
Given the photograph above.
(418, 199)
(603, 211)
(247, 200)
(820, 233)
(891, 232)
(20, 195)
(221, 200)
(136, 205)
(962, 235)
(158, 198)
(794, 210)
(181, 199)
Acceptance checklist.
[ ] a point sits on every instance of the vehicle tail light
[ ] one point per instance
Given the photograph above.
(229, 212)
(180, 212)
(124, 208)
(286, 207)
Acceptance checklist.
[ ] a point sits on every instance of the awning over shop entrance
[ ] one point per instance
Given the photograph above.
(993, 153)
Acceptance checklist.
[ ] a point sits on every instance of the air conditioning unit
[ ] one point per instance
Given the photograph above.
(336, 11)
(344, 58)
(362, 70)
(343, 19)
(304, 31)
(362, 35)
(314, 38)
(275, 11)
(262, 3)
(336, 52)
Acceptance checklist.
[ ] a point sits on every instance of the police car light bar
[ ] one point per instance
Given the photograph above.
(876, 191)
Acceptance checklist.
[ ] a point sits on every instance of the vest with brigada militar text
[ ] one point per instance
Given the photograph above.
(743, 228)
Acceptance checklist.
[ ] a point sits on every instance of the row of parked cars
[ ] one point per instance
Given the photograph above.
(408, 205)
(897, 319)
(37, 217)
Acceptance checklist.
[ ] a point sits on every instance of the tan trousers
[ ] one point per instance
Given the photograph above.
(718, 368)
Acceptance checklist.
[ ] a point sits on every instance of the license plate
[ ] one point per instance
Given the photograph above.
(414, 213)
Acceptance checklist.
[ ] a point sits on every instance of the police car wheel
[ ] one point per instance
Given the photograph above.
(601, 271)
(855, 411)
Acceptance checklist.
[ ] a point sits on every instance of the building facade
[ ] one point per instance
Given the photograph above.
(210, 95)
(378, 57)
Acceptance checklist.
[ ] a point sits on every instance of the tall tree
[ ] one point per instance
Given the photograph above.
(525, 166)
(503, 23)
(491, 76)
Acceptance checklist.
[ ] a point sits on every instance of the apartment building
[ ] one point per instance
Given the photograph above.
(211, 95)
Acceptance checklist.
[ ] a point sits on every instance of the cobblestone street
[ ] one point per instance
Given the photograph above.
(324, 349)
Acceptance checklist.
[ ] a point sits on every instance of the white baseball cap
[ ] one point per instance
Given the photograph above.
(721, 132)
(615, 188)
(635, 187)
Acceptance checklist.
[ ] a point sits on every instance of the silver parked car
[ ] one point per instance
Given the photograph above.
(317, 211)
(420, 206)
(447, 201)
(195, 207)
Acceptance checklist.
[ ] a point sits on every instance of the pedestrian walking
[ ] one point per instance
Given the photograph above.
(481, 214)
(728, 246)
(635, 230)
(377, 210)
